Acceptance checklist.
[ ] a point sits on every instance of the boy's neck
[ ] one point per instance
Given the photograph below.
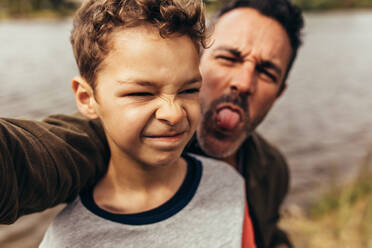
(129, 187)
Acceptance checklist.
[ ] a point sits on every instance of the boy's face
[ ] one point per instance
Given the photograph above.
(147, 95)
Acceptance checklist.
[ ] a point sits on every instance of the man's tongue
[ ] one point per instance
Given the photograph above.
(227, 119)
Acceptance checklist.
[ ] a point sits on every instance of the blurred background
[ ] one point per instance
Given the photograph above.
(322, 123)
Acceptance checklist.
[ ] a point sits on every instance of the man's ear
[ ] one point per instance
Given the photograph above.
(84, 97)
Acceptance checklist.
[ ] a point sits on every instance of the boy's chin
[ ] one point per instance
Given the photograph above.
(164, 159)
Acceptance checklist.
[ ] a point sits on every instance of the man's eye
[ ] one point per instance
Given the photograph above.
(267, 73)
(142, 94)
(190, 91)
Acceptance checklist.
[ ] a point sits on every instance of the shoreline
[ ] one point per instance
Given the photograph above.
(38, 15)
(49, 14)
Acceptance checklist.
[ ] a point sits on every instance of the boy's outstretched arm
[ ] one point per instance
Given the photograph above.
(46, 163)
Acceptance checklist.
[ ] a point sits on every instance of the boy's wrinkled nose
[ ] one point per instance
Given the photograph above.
(170, 111)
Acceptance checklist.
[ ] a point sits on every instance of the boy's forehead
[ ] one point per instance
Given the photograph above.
(141, 54)
(142, 35)
(144, 32)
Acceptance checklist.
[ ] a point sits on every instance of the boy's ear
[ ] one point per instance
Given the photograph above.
(84, 97)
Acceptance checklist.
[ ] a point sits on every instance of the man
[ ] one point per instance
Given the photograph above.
(254, 45)
(244, 73)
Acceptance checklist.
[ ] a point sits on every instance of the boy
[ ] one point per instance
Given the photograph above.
(138, 61)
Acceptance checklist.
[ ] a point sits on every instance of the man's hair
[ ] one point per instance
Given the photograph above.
(97, 19)
(283, 11)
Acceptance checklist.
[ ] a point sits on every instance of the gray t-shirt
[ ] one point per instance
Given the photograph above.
(207, 211)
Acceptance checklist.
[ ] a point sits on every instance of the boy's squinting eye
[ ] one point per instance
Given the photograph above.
(190, 91)
(140, 94)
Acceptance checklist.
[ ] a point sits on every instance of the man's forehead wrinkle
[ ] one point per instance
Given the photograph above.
(230, 36)
(241, 36)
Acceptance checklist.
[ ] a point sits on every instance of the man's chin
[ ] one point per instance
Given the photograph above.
(219, 148)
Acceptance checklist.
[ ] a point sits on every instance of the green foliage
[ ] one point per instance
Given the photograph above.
(366, 230)
(332, 4)
(346, 196)
(341, 218)
(212, 5)
(25, 8)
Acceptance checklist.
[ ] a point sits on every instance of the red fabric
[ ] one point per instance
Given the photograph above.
(248, 233)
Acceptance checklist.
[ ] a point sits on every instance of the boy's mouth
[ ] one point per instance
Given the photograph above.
(172, 137)
(166, 135)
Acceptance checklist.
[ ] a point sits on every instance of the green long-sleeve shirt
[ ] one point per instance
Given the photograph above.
(46, 163)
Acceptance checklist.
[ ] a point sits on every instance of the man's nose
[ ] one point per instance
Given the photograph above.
(170, 111)
(244, 80)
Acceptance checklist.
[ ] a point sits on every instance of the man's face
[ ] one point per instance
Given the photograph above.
(147, 96)
(242, 73)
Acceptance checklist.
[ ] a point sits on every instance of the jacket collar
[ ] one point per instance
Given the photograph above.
(252, 157)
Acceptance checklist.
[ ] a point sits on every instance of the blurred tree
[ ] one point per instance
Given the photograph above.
(40, 4)
(214, 5)
(56, 4)
(332, 4)
(22, 7)
(17, 7)
(307, 4)
(65, 7)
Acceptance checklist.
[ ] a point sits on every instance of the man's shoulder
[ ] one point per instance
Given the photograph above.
(267, 155)
(268, 150)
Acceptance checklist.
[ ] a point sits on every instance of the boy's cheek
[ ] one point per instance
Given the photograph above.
(125, 123)
(194, 113)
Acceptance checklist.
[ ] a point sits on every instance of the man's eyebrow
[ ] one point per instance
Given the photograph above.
(237, 53)
(271, 65)
(234, 51)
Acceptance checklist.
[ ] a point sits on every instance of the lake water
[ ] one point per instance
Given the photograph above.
(322, 123)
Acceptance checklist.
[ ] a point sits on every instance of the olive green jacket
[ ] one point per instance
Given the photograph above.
(46, 163)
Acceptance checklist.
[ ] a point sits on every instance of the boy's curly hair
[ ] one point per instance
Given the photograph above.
(96, 20)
